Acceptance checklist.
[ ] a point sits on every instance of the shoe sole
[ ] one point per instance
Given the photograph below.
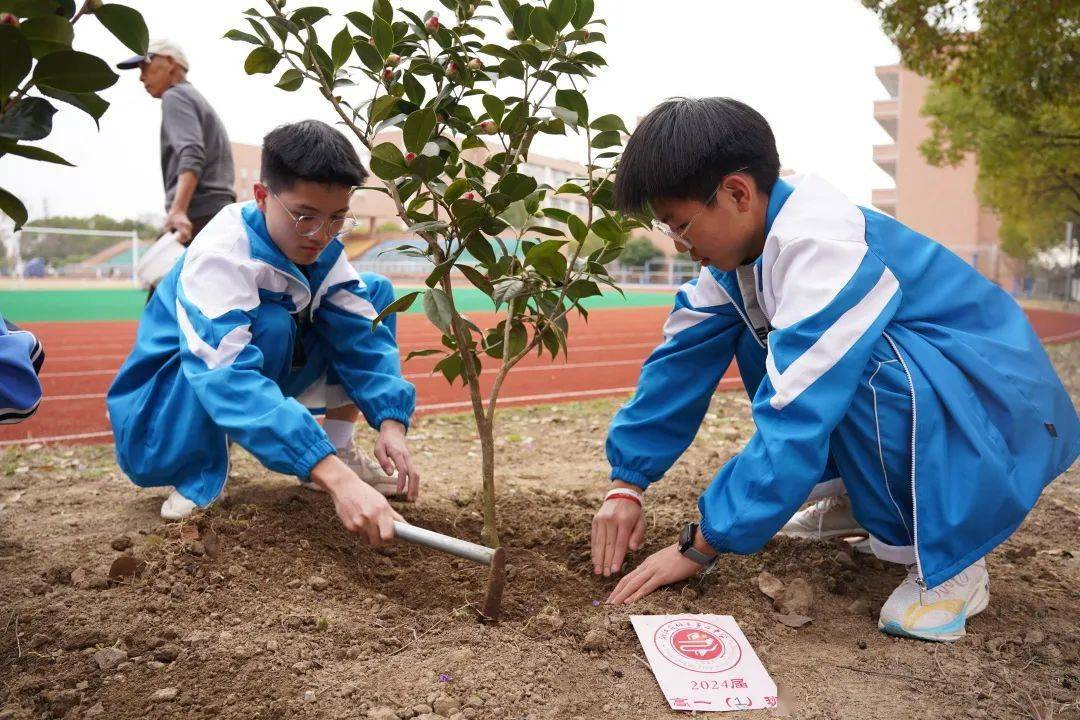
(950, 632)
(824, 534)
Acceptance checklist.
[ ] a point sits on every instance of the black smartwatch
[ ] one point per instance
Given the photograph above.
(687, 549)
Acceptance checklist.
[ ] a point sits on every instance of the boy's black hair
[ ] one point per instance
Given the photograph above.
(684, 147)
(309, 150)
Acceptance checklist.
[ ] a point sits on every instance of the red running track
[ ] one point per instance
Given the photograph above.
(604, 359)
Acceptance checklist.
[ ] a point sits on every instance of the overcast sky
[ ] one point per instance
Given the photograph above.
(807, 66)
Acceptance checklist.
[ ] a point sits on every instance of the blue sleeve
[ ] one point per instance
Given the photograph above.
(833, 303)
(21, 356)
(217, 304)
(676, 384)
(366, 361)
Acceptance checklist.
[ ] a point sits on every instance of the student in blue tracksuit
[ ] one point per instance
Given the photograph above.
(879, 364)
(21, 358)
(262, 322)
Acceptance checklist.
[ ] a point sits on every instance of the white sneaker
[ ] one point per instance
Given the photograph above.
(368, 470)
(938, 614)
(177, 507)
(827, 518)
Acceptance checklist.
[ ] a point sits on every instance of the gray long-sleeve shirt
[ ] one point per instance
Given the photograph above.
(194, 138)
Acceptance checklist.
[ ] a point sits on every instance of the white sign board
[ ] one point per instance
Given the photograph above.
(704, 663)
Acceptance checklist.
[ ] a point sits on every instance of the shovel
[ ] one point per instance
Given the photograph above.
(494, 559)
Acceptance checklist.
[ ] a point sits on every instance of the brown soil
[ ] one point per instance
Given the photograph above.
(265, 608)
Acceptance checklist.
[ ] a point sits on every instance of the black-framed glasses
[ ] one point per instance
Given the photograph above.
(312, 225)
(682, 243)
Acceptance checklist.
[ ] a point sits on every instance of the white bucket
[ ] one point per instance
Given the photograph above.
(159, 259)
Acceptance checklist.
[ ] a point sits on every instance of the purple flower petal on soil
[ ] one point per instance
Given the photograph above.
(596, 603)
(443, 677)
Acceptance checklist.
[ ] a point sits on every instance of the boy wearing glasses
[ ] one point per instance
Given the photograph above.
(880, 366)
(261, 323)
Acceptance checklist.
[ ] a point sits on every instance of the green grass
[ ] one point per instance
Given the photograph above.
(119, 304)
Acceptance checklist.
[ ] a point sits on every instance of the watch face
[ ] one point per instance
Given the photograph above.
(686, 537)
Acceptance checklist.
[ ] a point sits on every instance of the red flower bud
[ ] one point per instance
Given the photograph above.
(393, 60)
(432, 24)
(488, 127)
(451, 70)
(476, 64)
(388, 74)
(469, 196)
(9, 19)
(409, 157)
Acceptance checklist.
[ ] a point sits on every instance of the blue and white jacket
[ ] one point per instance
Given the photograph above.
(195, 378)
(991, 423)
(21, 357)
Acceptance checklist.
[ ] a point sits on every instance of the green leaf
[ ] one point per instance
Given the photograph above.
(608, 138)
(360, 20)
(257, 26)
(73, 71)
(479, 247)
(341, 48)
(13, 208)
(414, 89)
(562, 11)
(47, 34)
(437, 309)
(90, 103)
(383, 10)
(516, 186)
(580, 289)
(241, 36)
(387, 162)
(32, 153)
(291, 80)
(30, 119)
(521, 22)
(126, 25)
(477, 278)
(542, 250)
(609, 229)
(368, 55)
(495, 107)
(402, 304)
(570, 188)
(450, 367)
(261, 61)
(542, 26)
(421, 353)
(383, 34)
(609, 122)
(582, 14)
(439, 272)
(516, 215)
(418, 129)
(509, 8)
(515, 120)
(574, 101)
(507, 291)
(15, 59)
(309, 15)
(382, 108)
(435, 226)
(578, 228)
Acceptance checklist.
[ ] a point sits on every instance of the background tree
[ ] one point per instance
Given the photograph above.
(1006, 86)
(59, 250)
(468, 109)
(36, 56)
(638, 251)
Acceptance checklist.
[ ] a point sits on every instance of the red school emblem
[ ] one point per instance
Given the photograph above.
(697, 645)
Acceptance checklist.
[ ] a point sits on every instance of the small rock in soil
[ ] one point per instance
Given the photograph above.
(125, 567)
(82, 639)
(792, 619)
(197, 548)
(769, 584)
(37, 586)
(421, 709)
(178, 591)
(596, 640)
(80, 578)
(474, 701)
(309, 696)
(59, 575)
(797, 598)
(446, 706)
(37, 641)
(212, 544)
(96, 710)
(165, 694)
(293, 584)
(844, 559)
(859, 606)
(1035, 637)
(166, 653)
(108, 658)
(382, 713)
(62, 701)
(120, 543)
(318, 584)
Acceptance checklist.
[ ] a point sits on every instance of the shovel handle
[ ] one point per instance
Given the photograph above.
(445, 543)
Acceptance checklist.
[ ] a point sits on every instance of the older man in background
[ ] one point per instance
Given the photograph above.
(196, 160)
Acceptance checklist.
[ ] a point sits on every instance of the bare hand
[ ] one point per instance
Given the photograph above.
(362, 509)
(393, 455)
(661, 568)
(181, 223)
(618, 525)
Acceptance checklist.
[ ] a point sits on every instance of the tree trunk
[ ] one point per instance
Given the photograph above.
(486, 430)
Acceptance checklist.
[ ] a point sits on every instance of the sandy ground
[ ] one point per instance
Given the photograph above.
(265, 608)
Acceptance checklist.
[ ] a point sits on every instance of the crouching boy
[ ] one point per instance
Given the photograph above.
(262, 323)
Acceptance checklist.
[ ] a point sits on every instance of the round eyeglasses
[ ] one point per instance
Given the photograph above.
(312, 225)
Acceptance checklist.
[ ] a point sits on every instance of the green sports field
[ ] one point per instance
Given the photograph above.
(126, 304)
